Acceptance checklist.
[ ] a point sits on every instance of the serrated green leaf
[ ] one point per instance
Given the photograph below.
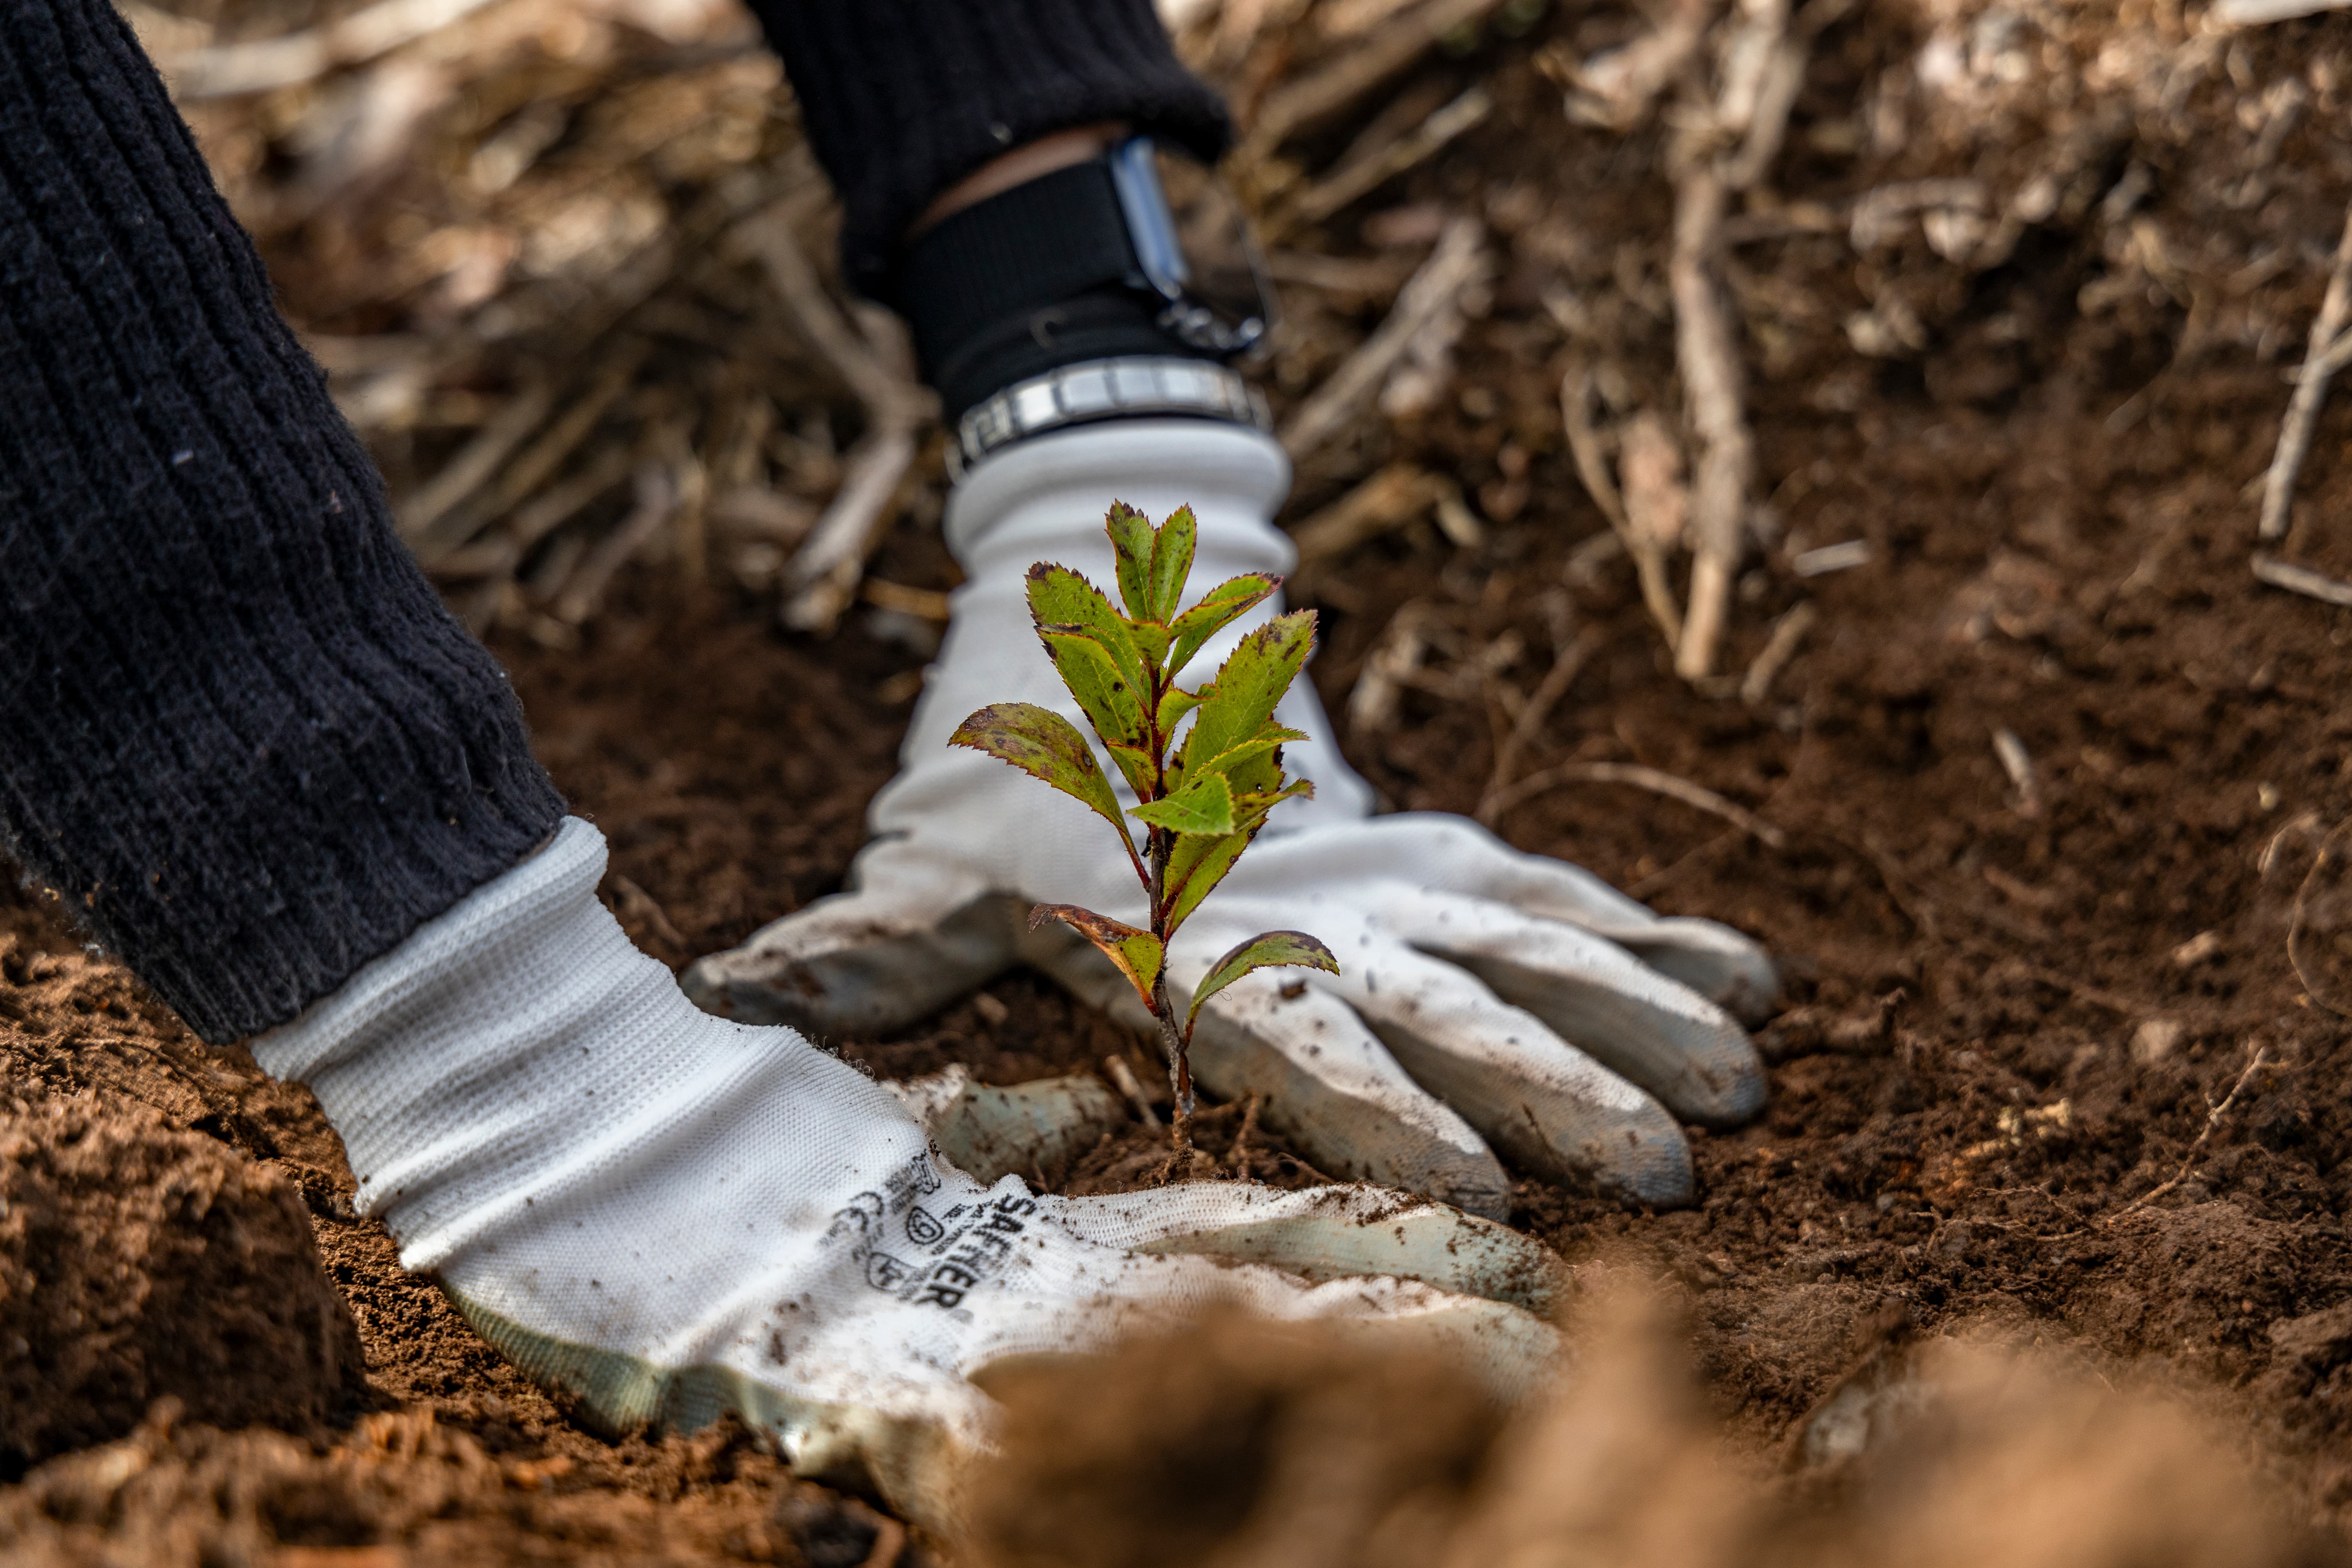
(1175, 703)
(1131, 541)
(1093, 676)
(1041, 743)
(1138, 954)
(1261, 744)
(1150, 641)
(1171, 563)
(1249, 685)
(1229, 600)
(1270, 949)
(1197, 864)
(1250, 810)
(1205, 804)
(1060, 598)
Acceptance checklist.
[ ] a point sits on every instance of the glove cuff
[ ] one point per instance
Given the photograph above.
(1050, 492)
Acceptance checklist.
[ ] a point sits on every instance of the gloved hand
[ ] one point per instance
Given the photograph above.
(674, 1217)
(1480, 988)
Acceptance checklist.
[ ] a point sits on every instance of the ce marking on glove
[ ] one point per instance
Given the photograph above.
(962, 1254)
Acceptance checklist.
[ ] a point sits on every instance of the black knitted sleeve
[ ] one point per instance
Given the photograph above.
(237, 730)
(903, 98)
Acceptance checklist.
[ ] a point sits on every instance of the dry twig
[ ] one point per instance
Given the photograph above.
(1392, 498)
(1360, 176)
(2018, 764)
(1394, 661)
(1584, 446)
(2204, 1135)
(265, 64)
(657, 497)
(822, 580)
(1123, 1078)
(1788, 634)
(1639, 777)
(2319, 362)
(1764, 68)
(475, 461)
(2302, 580)
(1312, 100)
(1709, 356)
(1458, 260)
(1565, 666)
(528, 469)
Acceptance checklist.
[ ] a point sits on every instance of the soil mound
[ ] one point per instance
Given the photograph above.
(1245, 1446)
(138, 1262)
(401, 1488)
(1233, 1441)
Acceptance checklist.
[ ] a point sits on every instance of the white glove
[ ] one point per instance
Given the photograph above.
(674, 1217)
(1479, 987)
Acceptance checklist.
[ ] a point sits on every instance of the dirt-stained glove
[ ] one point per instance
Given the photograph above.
(1480, 988)
(671, 1217)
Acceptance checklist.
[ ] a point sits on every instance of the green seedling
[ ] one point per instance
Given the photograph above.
(1203, 798)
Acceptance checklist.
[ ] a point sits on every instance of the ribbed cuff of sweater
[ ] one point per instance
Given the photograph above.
(903, 98)
(238, 731)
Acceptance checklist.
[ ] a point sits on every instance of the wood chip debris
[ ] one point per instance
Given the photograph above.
(2302, 580)
(2018, 764)
(1828, 558)
(2328, 336)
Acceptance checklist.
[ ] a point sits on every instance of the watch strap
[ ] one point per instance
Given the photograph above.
(1036, 245)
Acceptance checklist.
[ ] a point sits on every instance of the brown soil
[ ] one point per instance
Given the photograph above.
(2012, 1018)
(140, 1263)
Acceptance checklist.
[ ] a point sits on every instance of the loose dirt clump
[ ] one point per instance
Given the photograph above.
(138, 1263)
(1232, 1442)
(1255, 1447)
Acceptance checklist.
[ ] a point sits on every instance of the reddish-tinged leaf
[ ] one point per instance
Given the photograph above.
(1138, 954)
(1042, 743)
(1274, 949)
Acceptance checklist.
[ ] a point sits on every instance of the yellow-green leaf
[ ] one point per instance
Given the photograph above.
(1223, 604)
(1060, 598)
(1274, 949)
(1171, 563)
(1249, 685)
(1131, 541)
(1197, 864)
(1138, 954)
(1230, 760)
(1042, 743)
(1250, 810)
(1205, 804)
(1109, 699)
(1175, 703)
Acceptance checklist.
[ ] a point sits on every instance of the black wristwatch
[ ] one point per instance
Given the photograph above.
(1222, 304)
(1087, 293)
